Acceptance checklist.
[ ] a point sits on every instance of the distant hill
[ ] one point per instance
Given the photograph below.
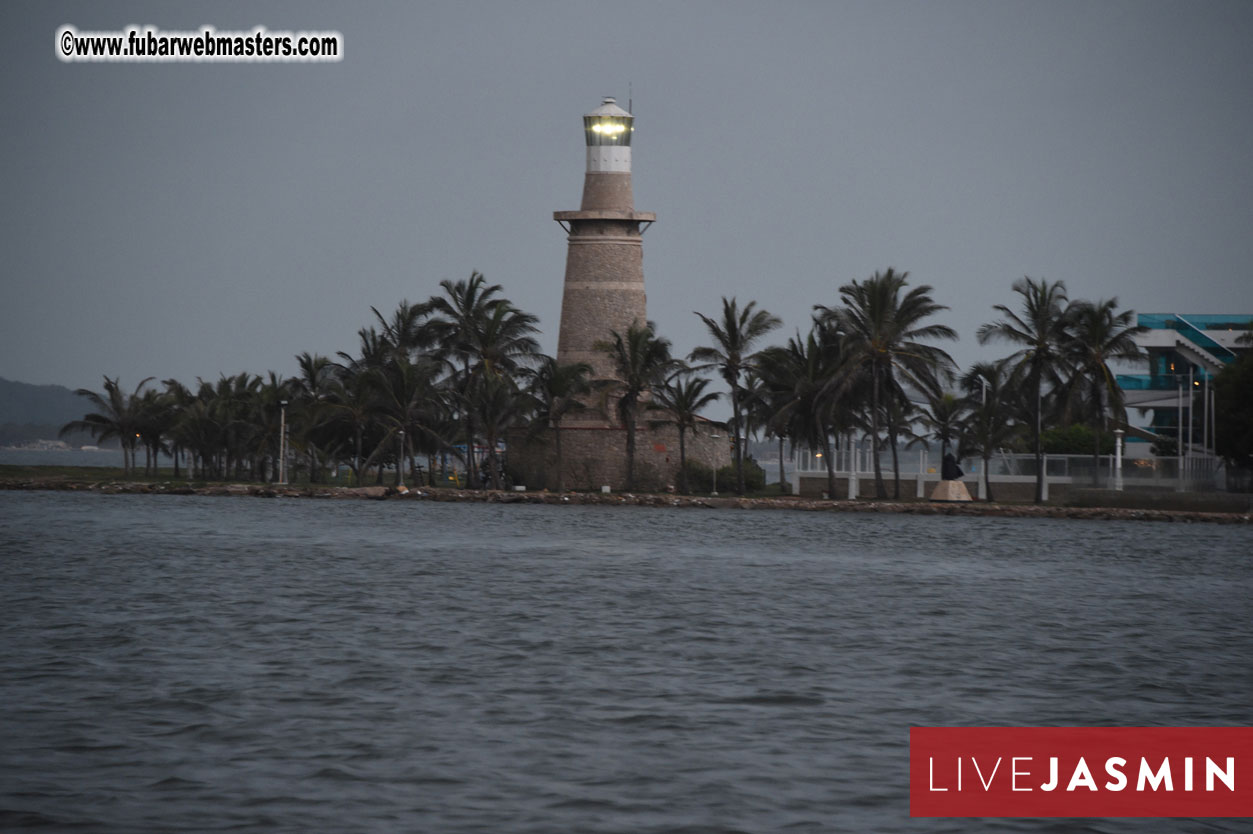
(22, 403)
(37, 412)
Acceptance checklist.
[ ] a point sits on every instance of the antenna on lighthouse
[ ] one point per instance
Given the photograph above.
(630, 101)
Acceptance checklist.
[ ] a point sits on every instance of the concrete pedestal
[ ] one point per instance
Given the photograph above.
(950, 491)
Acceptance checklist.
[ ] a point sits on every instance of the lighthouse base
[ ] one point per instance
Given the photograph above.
(594, 456)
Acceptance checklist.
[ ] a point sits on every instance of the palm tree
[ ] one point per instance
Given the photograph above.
(555, 390)
(310, 391)
(944, 419)
(682, 396)
(463, 307)
(179, 398)
(407, 398)
(883, 328)
(231, 404)
(761, 402)
(351, 403)
(1041, 331)
(734, 334)
(486, 335)
(199, 432)
(154, 419)
(1233, 417)
(117, 415)
(806, 382)
(498, 406)
(641, 361)
(898, 414)
(991, 423)
(1098, 335)
(503, 342)
(264, 413)
(376, 350)
(408, 329)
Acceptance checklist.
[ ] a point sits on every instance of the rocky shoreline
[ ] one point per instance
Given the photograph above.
(381, 493)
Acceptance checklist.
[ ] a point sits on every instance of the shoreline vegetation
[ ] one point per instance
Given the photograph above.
(460, 376)
(65, 479)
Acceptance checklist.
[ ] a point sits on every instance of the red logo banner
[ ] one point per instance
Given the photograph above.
(1081, 771)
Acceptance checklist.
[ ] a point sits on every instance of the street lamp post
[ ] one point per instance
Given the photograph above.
(1118, 435)
(1213, 422)
(1205, 438)
(1179, 439)
(1191, 409)
(282, 443)
(400, 461)
(1042, 475)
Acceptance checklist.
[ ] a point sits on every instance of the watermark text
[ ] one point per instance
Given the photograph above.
(150, 44)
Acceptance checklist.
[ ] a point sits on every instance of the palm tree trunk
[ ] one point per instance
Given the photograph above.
(739, 445)
(356, 458)
(896, 464)
(1100, 393)
(468, 419)
(879, 488)
(493, 466)
(830, 462)
(1039, 448)
(987, 476)
(780, 465)
(472, 475)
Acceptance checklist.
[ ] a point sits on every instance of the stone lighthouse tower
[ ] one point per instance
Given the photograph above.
(603, 293)
(604, 284)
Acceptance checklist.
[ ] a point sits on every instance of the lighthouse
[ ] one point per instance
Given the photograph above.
(604, 281)
(603, 293)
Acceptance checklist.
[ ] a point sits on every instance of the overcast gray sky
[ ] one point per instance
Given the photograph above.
(183, 220)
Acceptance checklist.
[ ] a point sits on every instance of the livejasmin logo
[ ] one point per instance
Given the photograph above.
(1081, 776)
(1081, 771)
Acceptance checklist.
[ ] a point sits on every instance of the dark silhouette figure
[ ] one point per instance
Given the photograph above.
(950, 469)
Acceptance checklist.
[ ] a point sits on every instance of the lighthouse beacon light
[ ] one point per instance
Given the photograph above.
(608, 131)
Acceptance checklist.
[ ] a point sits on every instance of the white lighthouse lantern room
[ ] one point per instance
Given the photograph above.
(608, 130)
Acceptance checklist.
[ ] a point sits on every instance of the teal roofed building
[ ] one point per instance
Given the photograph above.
(1185, 352)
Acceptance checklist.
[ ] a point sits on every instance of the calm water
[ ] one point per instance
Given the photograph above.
(198, 664)
(67, 457)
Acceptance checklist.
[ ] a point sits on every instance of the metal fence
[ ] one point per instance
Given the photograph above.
(1200, 473)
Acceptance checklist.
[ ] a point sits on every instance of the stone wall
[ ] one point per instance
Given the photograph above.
(607, 190)
(603, 291)
(594, 456)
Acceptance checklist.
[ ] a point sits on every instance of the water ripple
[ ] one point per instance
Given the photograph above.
(196, 664)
